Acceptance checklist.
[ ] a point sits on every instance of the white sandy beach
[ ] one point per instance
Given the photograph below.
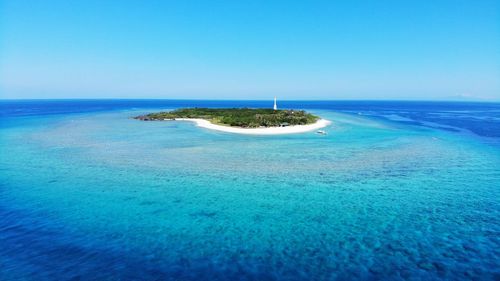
(321, 123)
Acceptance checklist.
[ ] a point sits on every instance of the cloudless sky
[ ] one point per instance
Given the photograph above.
(250, 49)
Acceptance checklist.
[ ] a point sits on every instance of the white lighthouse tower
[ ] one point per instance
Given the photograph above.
(275, 106)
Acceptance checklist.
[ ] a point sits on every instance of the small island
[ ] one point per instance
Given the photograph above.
(237, 117)
(259, 121)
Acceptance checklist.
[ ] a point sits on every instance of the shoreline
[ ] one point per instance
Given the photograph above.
(297, 129)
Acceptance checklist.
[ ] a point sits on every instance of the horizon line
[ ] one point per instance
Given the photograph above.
(308, 100)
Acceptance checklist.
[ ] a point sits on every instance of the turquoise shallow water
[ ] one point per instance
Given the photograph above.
(99, 196)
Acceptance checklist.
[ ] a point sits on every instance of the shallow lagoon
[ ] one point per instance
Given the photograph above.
(385, 195)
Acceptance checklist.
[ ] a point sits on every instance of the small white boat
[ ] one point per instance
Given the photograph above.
(321, 132)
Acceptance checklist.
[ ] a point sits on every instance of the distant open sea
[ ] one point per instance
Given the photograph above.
(394, 191)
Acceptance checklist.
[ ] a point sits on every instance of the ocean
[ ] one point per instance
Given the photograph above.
(395, 191)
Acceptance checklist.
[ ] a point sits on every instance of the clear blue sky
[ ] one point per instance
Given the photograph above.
(250, 49)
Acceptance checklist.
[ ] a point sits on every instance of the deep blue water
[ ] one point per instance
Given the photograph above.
(479, 118)
(395, 191)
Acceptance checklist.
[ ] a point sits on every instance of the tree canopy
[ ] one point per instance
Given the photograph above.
(238, 117)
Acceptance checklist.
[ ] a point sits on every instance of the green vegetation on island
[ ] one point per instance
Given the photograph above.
(238, 117)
